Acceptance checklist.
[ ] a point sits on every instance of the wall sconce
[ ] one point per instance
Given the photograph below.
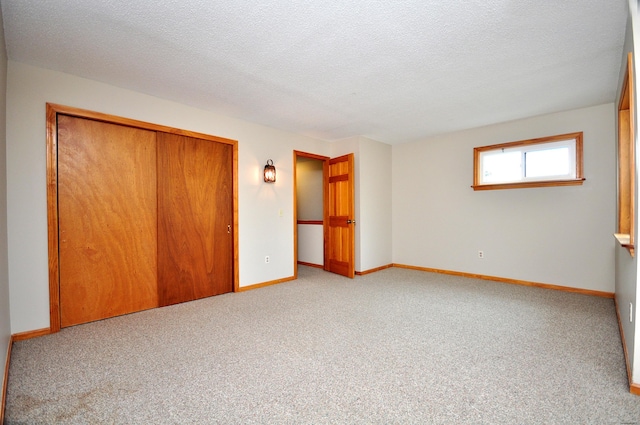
(269, 172)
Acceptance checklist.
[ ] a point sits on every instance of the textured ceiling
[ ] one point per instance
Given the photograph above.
(394, 71)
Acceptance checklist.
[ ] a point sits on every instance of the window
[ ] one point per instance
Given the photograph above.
(548, 161)
(626, 162)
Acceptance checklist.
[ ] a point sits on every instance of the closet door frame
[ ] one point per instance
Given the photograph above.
(52, 190)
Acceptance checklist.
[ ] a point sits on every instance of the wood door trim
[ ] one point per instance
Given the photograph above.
(236, 251)
(311, 155)
(52, 218)
(52, 111)
(114, 119)
(325, 211)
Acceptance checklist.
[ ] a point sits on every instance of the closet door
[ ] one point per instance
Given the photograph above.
(107, 220)
(195, 218)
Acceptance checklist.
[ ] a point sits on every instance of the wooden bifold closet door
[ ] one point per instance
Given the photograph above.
(145, 219)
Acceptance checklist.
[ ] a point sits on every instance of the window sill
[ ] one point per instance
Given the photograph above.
(625, 241)
(522, 185)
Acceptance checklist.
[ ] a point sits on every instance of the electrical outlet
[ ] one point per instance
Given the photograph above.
(266, 259)
(480, 254)
(631, 312)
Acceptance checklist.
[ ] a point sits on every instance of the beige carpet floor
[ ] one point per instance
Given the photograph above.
(393, 347)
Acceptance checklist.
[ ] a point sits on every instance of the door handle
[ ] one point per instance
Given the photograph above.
(228, 228)
(351, 222)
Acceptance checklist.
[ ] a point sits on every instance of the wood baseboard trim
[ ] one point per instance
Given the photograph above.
(377, 269)
(16, 337)
(623, 340)
(30, 334)
(601, 294)
(633, 388)
(6, 380)
(317, 266)
(263, 284)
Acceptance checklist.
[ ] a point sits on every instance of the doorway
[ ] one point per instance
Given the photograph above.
(324, 213)
(309, 208)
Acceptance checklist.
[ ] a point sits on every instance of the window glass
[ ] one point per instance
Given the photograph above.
(499, 167)
(548, 161)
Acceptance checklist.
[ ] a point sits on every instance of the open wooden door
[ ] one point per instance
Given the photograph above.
(340, 251)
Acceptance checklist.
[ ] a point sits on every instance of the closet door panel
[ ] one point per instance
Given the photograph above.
(195, 218)
(107, 220)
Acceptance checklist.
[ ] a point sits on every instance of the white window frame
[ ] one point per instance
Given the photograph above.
(573, 141)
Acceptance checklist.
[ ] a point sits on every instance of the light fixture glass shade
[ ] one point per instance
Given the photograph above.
(269, 172)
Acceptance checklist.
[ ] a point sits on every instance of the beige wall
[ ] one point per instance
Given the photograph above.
(635, 355)
(374, 218)
(557, 235)
(5, 323)
(309, 189)
(311, 244)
